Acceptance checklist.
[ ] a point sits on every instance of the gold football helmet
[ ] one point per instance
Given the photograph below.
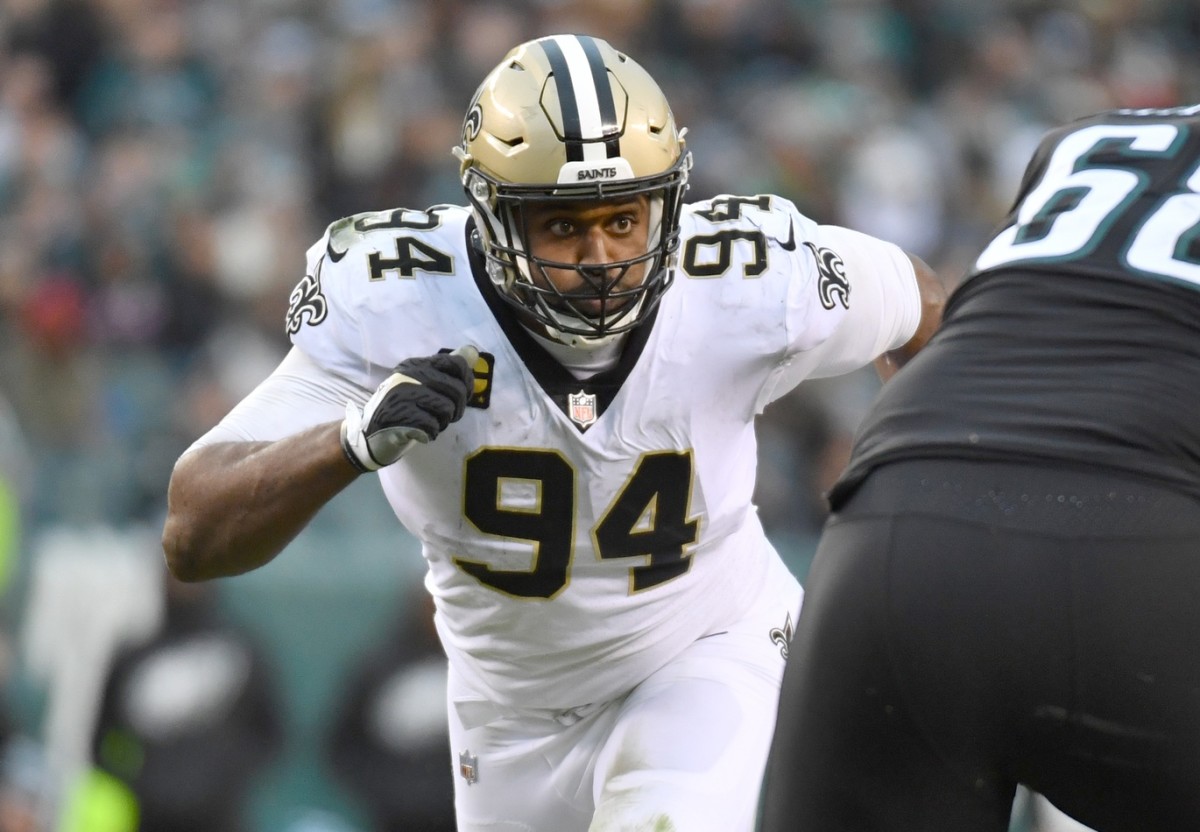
(570, 118)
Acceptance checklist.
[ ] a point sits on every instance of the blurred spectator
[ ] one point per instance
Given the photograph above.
(389, 744)
(68, 34)
(190, 718)
(90, 590)
(23, 784)
(150, 78)
(15, 492)
(25, 797)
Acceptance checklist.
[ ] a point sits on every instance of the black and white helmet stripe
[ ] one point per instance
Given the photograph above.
(589, 113)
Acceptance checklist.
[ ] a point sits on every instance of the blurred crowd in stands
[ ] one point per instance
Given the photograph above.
(164, 164)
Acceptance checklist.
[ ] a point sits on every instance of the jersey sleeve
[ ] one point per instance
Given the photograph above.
(376, 289)
(296, 396)
(322, 371)
(862, 301)
(322, 318)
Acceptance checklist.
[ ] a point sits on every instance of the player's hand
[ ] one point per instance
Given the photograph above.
(414, 404)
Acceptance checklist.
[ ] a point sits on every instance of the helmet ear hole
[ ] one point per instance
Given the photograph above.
(570, 118)
(481, 190)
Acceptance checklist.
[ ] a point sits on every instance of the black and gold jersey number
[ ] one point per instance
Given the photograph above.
(648, 519)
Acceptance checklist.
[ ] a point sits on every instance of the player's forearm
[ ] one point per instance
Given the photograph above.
(232, 507)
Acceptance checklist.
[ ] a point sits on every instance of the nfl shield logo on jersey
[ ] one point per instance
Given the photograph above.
(581, 407)
(468, 767)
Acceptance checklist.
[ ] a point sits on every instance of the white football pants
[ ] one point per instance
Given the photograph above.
(684, 751)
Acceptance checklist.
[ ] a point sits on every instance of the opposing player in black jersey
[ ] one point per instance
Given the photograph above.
(1008, 590)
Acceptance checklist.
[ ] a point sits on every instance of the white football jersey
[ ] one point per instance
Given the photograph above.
(581, 533)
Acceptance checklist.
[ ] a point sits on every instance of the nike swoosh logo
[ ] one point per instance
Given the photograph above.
(790, 245)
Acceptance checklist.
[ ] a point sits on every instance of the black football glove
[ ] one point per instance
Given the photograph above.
(414, 404)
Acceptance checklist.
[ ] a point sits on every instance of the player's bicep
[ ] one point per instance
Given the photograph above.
(298, 395)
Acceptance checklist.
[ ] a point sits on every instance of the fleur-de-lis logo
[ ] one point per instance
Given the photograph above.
(306, 301)
(472, 123)
(832, 285)
(783, 636)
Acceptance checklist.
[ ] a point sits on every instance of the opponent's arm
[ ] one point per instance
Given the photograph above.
(933, 300)
(233, 506)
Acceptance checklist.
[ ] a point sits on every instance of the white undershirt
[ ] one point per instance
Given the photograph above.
(583, 363)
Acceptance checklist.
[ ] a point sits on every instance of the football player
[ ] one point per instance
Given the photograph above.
(1007, 591)
(557, 386)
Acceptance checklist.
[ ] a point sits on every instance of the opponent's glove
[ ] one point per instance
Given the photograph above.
(414, 404)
